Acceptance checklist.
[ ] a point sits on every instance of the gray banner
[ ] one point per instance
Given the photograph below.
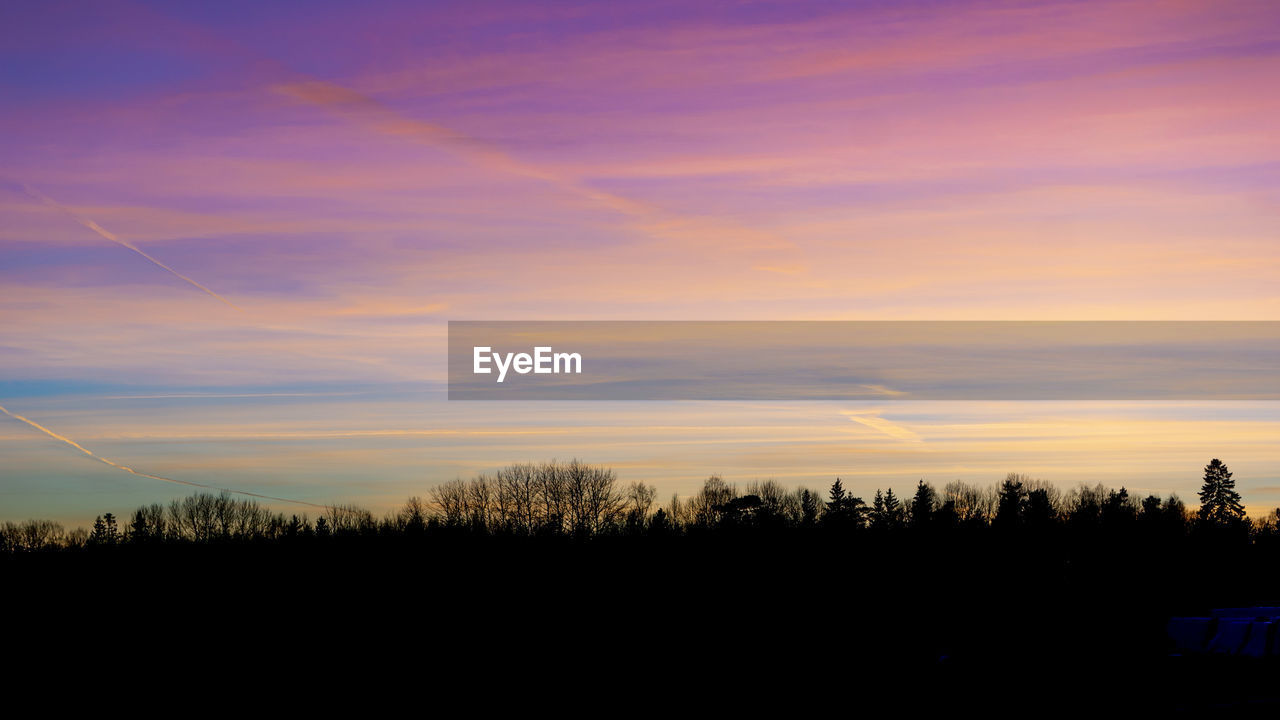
(784, 360)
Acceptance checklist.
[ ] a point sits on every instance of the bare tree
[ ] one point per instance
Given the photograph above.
(450, 499)
(639, 503)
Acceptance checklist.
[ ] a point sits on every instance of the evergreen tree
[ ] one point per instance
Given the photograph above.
(1219, 501)
(139, 528)
(659, 524)
(1010, 504)
(1173, 515)
(808, 508)
(105, 531)
(877, 511)
(1117, 510)
(892, 509)
(922, 505)
(836, 496)
(1151, 509)
(886, 511)
(1039, 509)
(843, 510)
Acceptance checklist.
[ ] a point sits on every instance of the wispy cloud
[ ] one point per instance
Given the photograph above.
(651, 220)
(131, 471)
(103, 233)
(875, 422)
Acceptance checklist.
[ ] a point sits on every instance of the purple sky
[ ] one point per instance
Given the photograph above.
(351, 176)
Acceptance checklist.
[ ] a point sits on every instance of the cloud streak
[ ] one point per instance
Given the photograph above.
(371, 113)
(875, 422)
(131, 471)
(103, 233)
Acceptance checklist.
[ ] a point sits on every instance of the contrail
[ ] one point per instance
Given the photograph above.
(774, 253)
(102, 232)
(131, 471)
(875, 422)
(372, 113)
(363, 108)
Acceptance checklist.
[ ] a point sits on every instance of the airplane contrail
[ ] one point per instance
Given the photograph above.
(126, 468)
(875, 422)
(102, 232)
(357, 106)
(370, 112)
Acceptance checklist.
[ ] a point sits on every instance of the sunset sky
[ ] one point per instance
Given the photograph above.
(232, 234)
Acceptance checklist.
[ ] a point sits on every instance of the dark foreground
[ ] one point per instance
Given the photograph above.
(794, 624)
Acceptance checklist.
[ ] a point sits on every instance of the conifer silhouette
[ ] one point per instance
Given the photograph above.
(1219, 501)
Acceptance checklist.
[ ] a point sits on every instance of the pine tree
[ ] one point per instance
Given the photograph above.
(105, 531)
(1117, 510)
(1151, 509)
(843, 510)
(808, 508)
(1173, 515)
(1012, 498)
(139, 529)
(836, 496)
(892, 509)
(1039, 510)
(922, 505)
(1219, 501)
(886, 511)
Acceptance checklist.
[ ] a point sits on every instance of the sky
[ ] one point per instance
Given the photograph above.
(232, 234)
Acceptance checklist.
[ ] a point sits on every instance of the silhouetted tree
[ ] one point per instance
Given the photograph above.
(923, 503)
(412, 520)
(1039, 512)
(946, 518)
(660, 524)
(104, 531)
(739, 511)
(32, 536)
(1117, 511)
(1084, 510)
(1150, 513)
(149, 524)
(715, 493)
(808, 508)
(974, 506)
(1010, 503)
(887, 512)
(1219, 501)
(639, 505)
(1173, 515)
(843, 511)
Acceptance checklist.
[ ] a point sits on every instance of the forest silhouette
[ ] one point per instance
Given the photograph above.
(581, 501)
(563, 562)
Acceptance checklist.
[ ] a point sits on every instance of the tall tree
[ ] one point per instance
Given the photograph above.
(843, 510)
(1009, 506)
(836, 496)
(808, 508)
(105, 531)
(1039, 512)
(923, 504)
(1219, 501)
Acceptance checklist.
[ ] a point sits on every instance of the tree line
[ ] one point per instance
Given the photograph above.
(578, 500)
